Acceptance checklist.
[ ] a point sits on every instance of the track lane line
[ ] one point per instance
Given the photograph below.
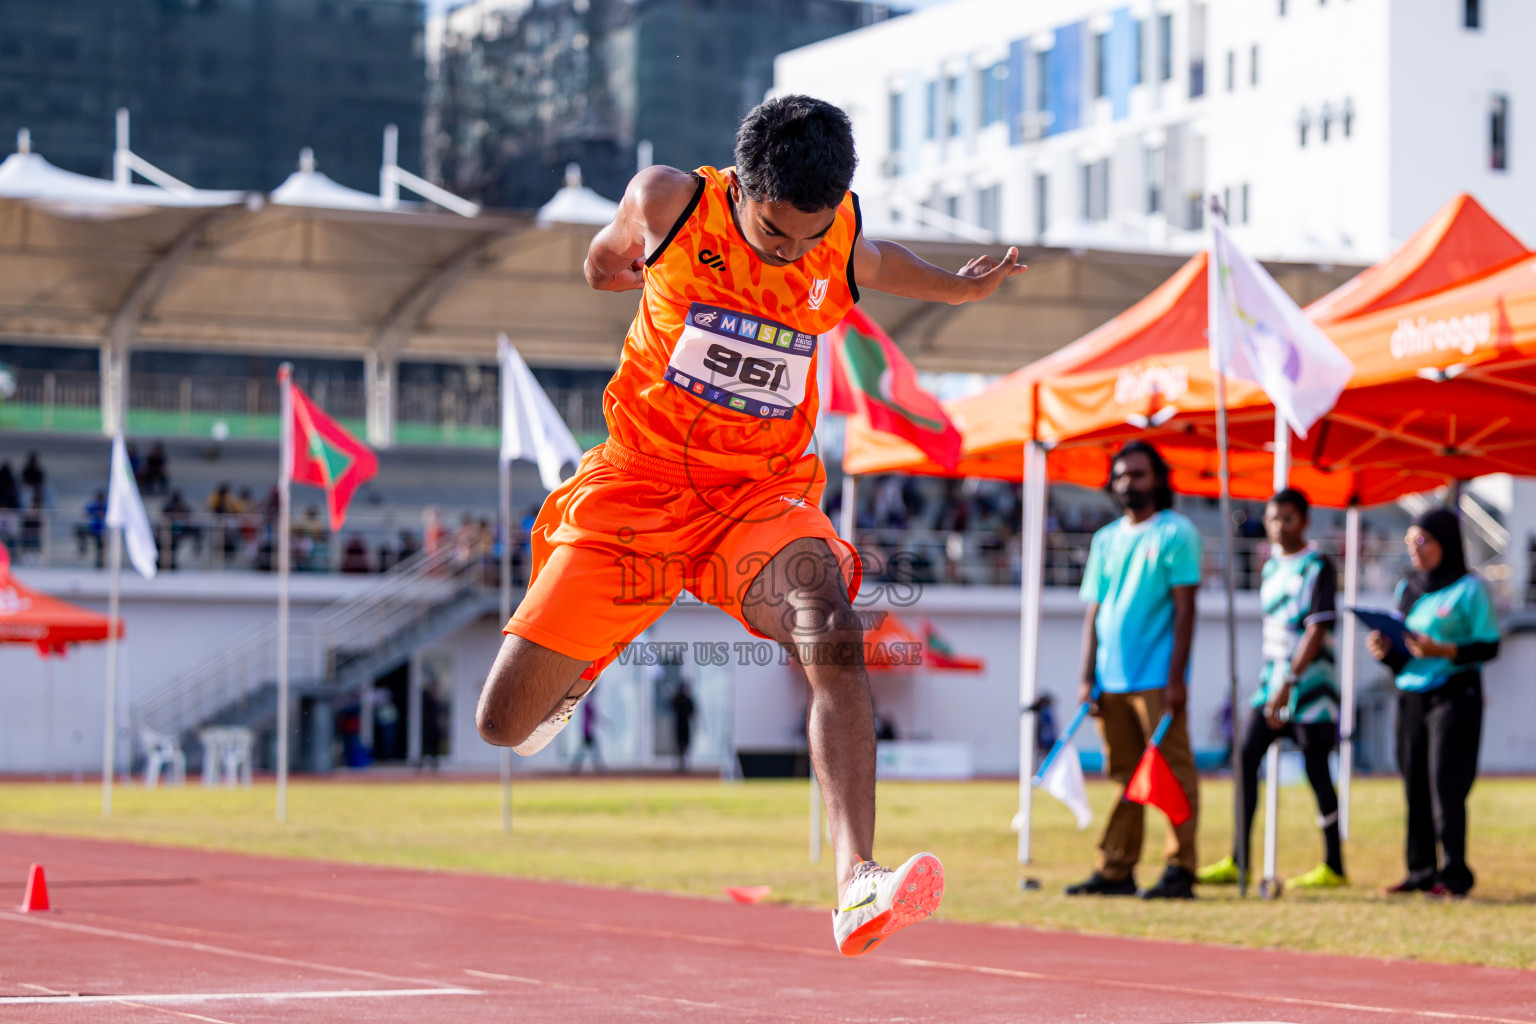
(203, 947)
(155, 1000)
(714, 940)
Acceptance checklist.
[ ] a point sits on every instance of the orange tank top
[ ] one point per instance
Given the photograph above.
(719, 367)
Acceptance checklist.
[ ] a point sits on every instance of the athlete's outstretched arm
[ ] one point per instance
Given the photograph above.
(652, 202)
(889, 267)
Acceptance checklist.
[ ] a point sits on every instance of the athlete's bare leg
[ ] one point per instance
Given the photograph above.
(526, 683)
(800, 598)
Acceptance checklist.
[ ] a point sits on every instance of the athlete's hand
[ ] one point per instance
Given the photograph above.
(1085, 694)
(1421, 646)
(1176, 695)
(625, 278)
(986, 274)
(1378, 644)
(1275, 712)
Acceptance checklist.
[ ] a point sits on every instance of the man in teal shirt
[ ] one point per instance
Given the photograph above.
(1140, 581)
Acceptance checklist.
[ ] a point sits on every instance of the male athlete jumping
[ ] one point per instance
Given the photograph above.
(706, 482)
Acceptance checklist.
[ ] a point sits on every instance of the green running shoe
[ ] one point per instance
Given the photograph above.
(1320, 877)
(1223, 872)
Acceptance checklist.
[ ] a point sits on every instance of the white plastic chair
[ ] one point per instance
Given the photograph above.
(227, 753)
(164, 752)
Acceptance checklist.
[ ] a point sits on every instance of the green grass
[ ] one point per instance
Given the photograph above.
(698, 836)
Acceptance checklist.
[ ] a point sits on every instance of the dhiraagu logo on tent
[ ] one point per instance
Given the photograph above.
(872, 375)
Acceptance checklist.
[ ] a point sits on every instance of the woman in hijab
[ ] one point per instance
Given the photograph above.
(1452, 631)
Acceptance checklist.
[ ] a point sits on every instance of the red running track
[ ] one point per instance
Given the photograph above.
(158, 934)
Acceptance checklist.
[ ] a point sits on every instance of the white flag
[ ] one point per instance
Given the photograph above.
(1064, 781)
(126, 509)
(530, 426)
(1258, 333)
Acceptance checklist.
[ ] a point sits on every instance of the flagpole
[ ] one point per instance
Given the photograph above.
(285, 486)
(1031, 571)
(1213, 289)
(109, 740)
(505, 485)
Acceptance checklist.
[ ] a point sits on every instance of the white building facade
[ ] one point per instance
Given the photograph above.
(1331, 129)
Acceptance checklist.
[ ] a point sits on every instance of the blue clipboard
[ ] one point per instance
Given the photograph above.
(1388, 624)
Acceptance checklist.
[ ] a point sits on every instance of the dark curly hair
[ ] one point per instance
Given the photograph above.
(1293, 497)
(1162, 495)
(798, 150)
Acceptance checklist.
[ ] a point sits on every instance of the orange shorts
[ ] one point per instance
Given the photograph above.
(616, 544)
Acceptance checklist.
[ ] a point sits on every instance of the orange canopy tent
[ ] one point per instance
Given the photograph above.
(1140, 372)
(1397, 429)
(30, 616)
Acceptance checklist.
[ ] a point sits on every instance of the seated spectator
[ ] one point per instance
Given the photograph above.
(175, 525)
(355, 558)
(34, 479)
(10, 494)
(94, 528)
(311, 548)
(156, 479)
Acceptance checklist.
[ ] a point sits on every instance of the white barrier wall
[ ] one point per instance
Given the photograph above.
(178, 618)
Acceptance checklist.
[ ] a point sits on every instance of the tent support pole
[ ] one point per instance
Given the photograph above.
(109, 733)
(1347, 665)
(1272, 758)
(1031, 580)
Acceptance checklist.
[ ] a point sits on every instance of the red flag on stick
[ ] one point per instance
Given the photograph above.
(1154, 784)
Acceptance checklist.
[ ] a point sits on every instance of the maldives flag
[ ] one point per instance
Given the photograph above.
(939, 654)
(870, 376)
(326, 455)
(1154, 784)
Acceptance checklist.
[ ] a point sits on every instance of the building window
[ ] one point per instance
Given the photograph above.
(952, 207)
(1347, 118)
(1096, 191)
(1253, 65)
(989, 209)
(1165, 47)
(1244, 201)
(993, 81)
(1231, 71)
(895, 109)
(1196, 212)
(1472, 14)
(1043, 80)
(1303, 120)
(1226, 205)
(1325, 123)
(1042, 204)
(1139, 60)
(952, 124)
(931, 121)
(1101, 64)
(1282, 8)
(1156, 174)
(1498, 133)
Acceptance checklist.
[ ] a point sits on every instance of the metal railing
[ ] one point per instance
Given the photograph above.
(319, 644)
(181, 405)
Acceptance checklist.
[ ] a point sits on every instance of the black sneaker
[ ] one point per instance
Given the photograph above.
(1098, 885)
(1411, 884)
(1176, 884)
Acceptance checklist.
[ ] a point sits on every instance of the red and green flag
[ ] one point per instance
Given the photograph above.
(871, 376)
(326, 455)
(939, 653)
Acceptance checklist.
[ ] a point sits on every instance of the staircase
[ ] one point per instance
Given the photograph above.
(332, 654)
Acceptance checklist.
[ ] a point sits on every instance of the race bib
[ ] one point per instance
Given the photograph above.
(745, 363)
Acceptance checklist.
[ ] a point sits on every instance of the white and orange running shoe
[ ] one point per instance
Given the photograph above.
(880, 902)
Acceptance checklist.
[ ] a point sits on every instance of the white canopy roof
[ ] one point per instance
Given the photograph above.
(577, 204)
(26, 175)
(315, 189)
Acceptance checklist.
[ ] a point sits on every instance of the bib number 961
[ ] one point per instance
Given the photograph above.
(758, 372)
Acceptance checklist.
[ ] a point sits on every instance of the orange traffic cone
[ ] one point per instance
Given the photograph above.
(36, 898)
